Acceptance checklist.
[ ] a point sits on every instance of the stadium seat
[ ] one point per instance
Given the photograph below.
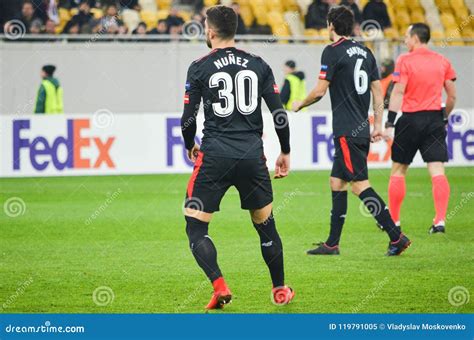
(448, 21)
(97, 13)
(417, 16)
(391, 33)
(260, 13)
(274, 5)
(247, 15)
(162, 14)
(324, 33)
(131, 18)
(148, 5)
(403, 21)
(290, 6)
(164, 4)
(185, 15)
(311, 33)
(443, 5)
(150, 18)
(64, 15)
(438, 37)
(209, 3)
(455, 36)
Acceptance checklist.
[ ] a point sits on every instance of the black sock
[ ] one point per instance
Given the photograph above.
(202, 247)
(272, 250)
(338, 216)
(379, 210)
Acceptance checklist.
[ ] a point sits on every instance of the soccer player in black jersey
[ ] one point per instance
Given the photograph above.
(232, 83)
(350, 72)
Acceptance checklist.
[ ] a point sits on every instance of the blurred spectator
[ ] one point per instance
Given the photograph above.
(50, 27)
(352, 5)
(28, 16)
(241, 29)
(161, 28)
(52, 11)
(376, 10)
(50, 93)
(317, 13)
(74, 3)
(9, 9)
(110, 22)
(140, 30)
(294, 87)
(174, 21)
(71, 28)
(36, 27)
(84, 19)
(130, 4)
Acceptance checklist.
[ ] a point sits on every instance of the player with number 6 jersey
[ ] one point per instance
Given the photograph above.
(349, 71)
(231, 84)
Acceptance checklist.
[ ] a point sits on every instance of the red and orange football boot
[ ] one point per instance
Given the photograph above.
(221, 295)
(282, 295)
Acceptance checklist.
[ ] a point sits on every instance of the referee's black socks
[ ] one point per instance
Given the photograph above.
(272, 250)
(338, 216)
(376, 206)
(202, 247)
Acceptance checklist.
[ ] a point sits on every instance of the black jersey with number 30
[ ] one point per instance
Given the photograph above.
(350, 68)
(231, 83)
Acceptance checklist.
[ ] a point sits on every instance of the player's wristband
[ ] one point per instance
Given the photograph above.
(392, 115)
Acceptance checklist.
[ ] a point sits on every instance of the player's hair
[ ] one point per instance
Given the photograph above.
(422, 31)
(342, 19)
(223, 20)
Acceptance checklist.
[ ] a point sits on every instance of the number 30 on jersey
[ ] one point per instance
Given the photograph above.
(228, 101)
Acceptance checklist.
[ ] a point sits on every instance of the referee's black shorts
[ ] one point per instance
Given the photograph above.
(213, 176)
(424, 131)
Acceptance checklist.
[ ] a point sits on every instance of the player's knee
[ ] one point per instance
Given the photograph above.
(436, 168)
(399, 169)
(259, 216)
(199, 215)
(337, 184)
(359, 186)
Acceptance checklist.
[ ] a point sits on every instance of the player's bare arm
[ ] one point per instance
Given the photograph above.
(377, 102)
(314, 96)
(282, 129)
(394, 106)
(450, 88)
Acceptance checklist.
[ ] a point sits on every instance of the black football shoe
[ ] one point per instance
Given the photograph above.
(323, 249)
(397, 247)
(437, 229)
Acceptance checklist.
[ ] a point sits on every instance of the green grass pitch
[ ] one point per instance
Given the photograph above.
(127, 233)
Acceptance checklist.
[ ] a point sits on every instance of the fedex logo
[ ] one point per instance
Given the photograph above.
(42, 152)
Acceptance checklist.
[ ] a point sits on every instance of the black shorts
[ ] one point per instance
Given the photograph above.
(424, 131)
(350, 158)
(212, 176)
